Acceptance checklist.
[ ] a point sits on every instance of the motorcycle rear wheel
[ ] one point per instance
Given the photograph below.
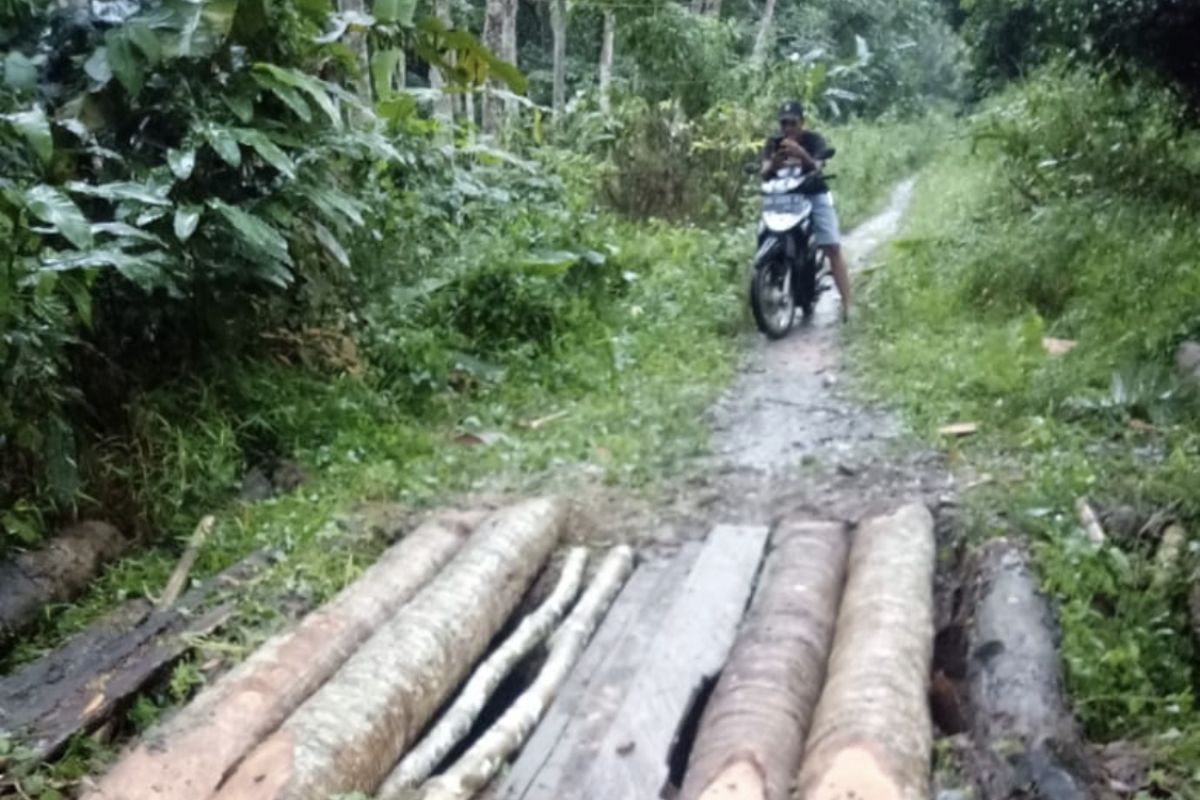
(771, 299)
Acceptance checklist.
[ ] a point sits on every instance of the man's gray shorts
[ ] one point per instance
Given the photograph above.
(824, 220)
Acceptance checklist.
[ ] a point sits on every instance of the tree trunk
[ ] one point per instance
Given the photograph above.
(349, 733)
(1187, 362)
(698, 6)
(871, 735)
(752, 733)
(456, 722)
(493, 39)
(558, 25)
(606, 61)
(476, 768)
(509, 51)
(189, 756)
(443, 105)
(356, 43)
(763, 41)
(57, 572)
(1024, 735)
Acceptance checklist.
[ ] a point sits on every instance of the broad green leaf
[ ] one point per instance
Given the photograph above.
(147, 270)
(125, 231)
(125, 63)
(384, 65)
(56, 209)
(97, 66)
(398, 12)
(146, 40)
(331, 245)
(337, 208)
(318, 91)
(287, 95)
(186, 220)
(266, 149)
(182, 163)
(550, 264)
(35, 127)
(62, 468)
(19, 72)
(123, 190)
(202, 26)
(258, 235)
(222, 140)
(241, 105)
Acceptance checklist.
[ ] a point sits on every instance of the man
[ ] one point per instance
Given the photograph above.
(798, 144)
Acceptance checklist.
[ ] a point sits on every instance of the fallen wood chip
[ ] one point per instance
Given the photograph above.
(483, 760)
(456, 722)
(1058, 347)
(1091, 523)
(534, 424)
(959, 429)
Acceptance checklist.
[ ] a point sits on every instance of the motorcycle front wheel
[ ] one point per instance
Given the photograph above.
(771, 299)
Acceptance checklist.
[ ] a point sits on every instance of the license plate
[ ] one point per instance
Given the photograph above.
(785, 203)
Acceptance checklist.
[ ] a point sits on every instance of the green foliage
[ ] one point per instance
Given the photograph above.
(1049, 221)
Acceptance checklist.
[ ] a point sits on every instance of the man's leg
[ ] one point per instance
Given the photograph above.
(841, 275)
(828, 237)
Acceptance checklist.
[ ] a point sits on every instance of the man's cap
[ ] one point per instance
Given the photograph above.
(792, 109)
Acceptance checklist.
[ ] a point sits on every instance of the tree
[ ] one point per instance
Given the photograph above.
(499, 36)
(606, 60)
(443, 105)
(558, 25)
(763, 40)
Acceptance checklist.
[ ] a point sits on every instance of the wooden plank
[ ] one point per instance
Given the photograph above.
(589, 701)
(73, 689)
(692, 645)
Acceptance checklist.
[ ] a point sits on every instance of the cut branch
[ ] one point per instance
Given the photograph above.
(479, 765)
(752, 733)
(871, 735)
(187, 758)
(456, 722)
(347, 735)
(184, 568)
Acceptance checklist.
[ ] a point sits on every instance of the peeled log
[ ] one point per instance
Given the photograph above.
(188, 757)
(479, 764)
(751, 736)
(456, 722)
(57, 572)
(872, 736)
(349, 733)
(1023, 732)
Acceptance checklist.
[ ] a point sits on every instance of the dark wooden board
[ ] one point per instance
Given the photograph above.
(74, 688)
(612, 737)
(589, 699)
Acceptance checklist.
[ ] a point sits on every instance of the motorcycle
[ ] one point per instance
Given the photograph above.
(789, 272)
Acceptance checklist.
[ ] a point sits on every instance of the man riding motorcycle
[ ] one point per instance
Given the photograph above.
(797, 144)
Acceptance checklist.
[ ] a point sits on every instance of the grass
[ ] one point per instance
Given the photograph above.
(953, 330)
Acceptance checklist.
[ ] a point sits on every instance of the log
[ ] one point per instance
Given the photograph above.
(872, 736)
(480, 763)
(189, 755)
(751, 735)
(74, 689)
(53, 574)
(348, 734)
(184, 568)
(1027, 742)
(456, 722)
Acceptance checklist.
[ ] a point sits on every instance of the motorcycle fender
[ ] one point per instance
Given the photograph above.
(769, 246)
